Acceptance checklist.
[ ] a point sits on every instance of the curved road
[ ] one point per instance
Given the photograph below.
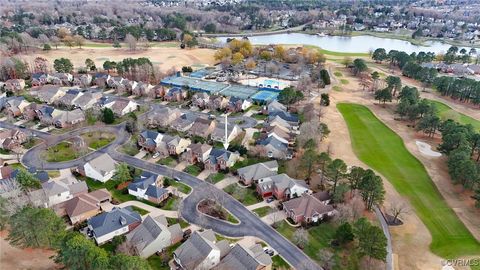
(250, 224)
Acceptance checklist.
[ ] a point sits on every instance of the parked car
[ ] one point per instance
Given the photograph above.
(270, 199)
(186, 234)
(156, 155)
(176, 178)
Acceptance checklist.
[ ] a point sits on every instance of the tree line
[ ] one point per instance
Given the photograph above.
(462, 89)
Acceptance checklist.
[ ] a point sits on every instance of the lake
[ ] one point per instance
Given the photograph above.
(355, 44)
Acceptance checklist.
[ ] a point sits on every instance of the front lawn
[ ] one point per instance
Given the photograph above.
(245, 195)
(262, 211)
(193, 170)
(260, 116)
(130, 148)
(171, 203)
(167, 161)
(118, 195)
(172, 221)
(279, 263)
(380, 148)
(139, 210)
(63, 151)
(180, 186)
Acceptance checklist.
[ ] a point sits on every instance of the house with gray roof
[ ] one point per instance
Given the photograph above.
(49, 93)
(162, 117)
(119, 221)
(59, 191)
(100, 168)
(221, 159)
(67, 99)
(87, 100)
(148, 186)
(201, 251)
(243, 258)
(274, 148)
(251, 174)
(153, 235)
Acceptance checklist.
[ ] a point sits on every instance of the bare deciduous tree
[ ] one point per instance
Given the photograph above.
(131, 42)
(397, 210)
(300, 237)
(327, 258)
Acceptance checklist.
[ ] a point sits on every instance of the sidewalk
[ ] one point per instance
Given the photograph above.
(259, 205)
(274, 217)
(154, 211)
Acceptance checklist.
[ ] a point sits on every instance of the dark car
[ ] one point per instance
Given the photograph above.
(22, 126)
(270, 199)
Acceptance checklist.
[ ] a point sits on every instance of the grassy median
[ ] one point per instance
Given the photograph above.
(383, 150)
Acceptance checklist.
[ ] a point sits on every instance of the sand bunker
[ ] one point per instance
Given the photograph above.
(426, 149)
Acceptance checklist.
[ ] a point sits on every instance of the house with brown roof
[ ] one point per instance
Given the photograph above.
(162, 117)
(282, 187)
(197, 153)
(122, 106)
(241, 257)
(84, 80)
(200, 99)
(12, 138)
(15, 106)
(202, 127)
(175, 94)
(217, 103)
(309, 208)
(87, 205)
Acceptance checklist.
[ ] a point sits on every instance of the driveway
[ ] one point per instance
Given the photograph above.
(154, 211)
(204, 174)
(226, 182)
(141, 154)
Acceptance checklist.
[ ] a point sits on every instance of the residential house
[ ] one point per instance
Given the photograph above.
(14, 85)
(274, 148)
(232, 132)
(147, 186)
(119, 221)
(277, 121)
(221, 159)
(282, 187)
(173, 145)
(49, 93)
(39, 79)
(45, 114)
(251, 174)
(290, 118)
(62, 79)
(116, 83)
(237, 104)
(12, 138)
(200, 99)
(243, 258)
(197, 153)
(101, 79)
(218, 103)
(67, 100)
(87, 205)
(201, 251)
(162, 117)
(280, 134)
(149, 140)
(143, 89)
(153, 235)
(182, 123)
(15, 106)
(87, 100)
(308, 208)
(175, 94)
(121, 106)
(59, 191)
(274, 106)
(66, 119)
(100, 168)
(202, 127)
(29, 112)
(83, 81)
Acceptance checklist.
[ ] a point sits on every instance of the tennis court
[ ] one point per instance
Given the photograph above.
(239, 91)
(265, 96)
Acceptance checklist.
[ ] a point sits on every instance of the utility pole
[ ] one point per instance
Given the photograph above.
(225, 142)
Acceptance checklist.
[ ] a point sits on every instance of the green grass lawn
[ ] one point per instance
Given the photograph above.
(183, 223)
(193, 170)
(130, 148)
(333, 53)
(63, 151)
(260, 116)
(53, 174)
(167, 161)
(180, 186)
(344, 81)
(217, 177)
(445, 112)
(117, 195)
(262, 211)
(155, 261)
(171, 203)
(279, 263)
(383, 150)
(337, 88)
(249, 197)
(139, 210)
(338, 74)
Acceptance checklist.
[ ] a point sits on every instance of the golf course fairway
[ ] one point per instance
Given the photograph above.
(383, 150)
(445, 112)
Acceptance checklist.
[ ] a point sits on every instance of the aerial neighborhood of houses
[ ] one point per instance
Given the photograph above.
(229, 135)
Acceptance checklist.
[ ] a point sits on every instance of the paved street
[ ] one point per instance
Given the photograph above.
(250, 224)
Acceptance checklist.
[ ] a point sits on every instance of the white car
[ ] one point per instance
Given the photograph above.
(156, 155)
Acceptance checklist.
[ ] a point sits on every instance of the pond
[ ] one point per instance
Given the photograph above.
(356, 44)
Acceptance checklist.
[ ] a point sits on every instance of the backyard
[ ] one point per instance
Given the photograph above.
(383, 150)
